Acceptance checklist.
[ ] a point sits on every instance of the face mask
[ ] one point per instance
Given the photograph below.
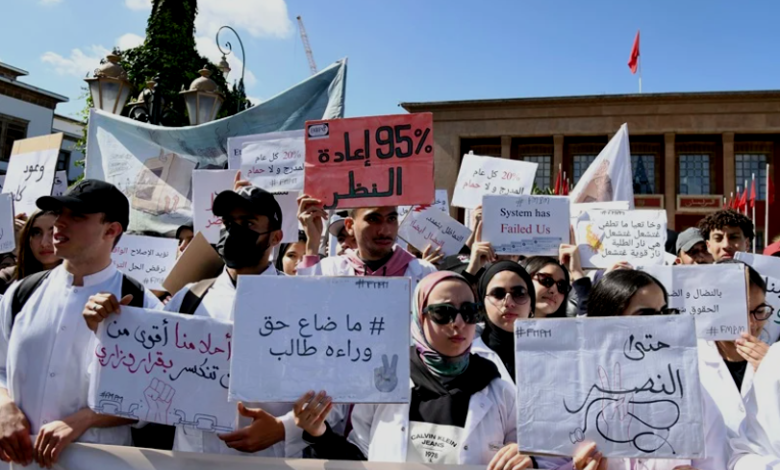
(238, 247)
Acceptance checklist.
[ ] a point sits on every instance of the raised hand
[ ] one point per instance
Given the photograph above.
(310, 412)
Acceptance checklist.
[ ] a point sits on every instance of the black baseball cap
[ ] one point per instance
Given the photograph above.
(91, 197)
(255, 200)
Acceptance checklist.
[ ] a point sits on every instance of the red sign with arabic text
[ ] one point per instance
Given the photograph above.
(370, 161)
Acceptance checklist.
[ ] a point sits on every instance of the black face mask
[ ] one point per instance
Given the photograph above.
(238, 247)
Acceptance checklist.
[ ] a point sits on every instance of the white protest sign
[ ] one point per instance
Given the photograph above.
(715, 295)
(272, 161)
(207, 184)
(2, 182)
(346, 335)
(431, 226)
(7, 235)
(30, 176)
(146, 259)
(441, 202)
(629, 384)
(480, 176)
(769, 268)
(576, 210)
(288, 202)
(605, 237)
(164, 368)
(60, 183)
(525, 225)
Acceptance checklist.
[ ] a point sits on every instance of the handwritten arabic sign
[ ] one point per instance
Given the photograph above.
(608, 236)
(441, 201)
(207, 184)
(60, 183)
(272, 161)
(629, 384)
(146, 259)
(30, 176)
(769, 268)
(431, 226)
(480, 176)
(329, 338)
(715, 295)
(525, 225)
(370, 161)
(164, 368)
(7, 237)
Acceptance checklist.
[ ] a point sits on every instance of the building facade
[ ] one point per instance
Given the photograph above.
(688, 150)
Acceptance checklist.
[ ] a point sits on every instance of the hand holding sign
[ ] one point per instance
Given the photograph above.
(311, 411)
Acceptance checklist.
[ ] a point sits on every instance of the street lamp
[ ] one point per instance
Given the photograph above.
(224, 61)
(109, 88)
(203, 100)
(224, 66)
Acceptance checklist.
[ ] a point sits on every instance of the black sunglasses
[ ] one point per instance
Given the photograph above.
(519, 294)
(663, 311)
(444, 314)
(547, 281)
(762, 312)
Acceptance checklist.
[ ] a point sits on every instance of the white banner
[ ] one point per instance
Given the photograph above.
(164, 368)
(431, 226)
(271, 161)
(30, 176)
(479, 176)
(715, 295)
(525, 225)
(320, 333)
(146, 259)
(629, 384)
(207, 184)
(605, 237)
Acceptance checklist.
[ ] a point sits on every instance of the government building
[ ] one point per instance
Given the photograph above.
(695, 148)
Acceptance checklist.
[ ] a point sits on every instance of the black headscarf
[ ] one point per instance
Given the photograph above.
(500, 341)
(279, 261)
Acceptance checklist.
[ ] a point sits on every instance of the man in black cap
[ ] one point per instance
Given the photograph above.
(45, 347)
(691, 248)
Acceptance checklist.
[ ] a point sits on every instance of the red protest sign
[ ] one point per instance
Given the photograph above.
(370, 161)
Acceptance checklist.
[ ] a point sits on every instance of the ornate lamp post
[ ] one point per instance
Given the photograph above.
(203, 99)
(223, 65)
(109, 87)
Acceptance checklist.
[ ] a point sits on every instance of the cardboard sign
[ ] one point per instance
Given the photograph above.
(272, 161)
(31, 170)
(480, 176)
(60, 183)
(525, 225)
(7, 234)
(317, 333)
(441, 202)
(164, 368)
(431, 226)
(207, 184)
(146, 259)
(769, 268)
(370, 161)
(198, 262)
(629, 384)
(715, 295)
(605, 237)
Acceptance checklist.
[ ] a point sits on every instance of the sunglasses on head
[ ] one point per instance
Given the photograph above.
(519, 294)
(444, 314)
(547, 281)
(652, 311)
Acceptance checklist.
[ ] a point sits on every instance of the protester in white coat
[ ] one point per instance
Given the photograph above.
(461, 411)
(757, 447)
(375, 230)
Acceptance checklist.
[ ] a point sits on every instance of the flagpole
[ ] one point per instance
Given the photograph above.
(754, 211)
(639, 63)
(747, 193)
(766, 209)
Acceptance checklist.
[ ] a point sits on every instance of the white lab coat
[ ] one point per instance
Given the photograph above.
(716, 379)
(382, 431)
(340, 266)
(757, 447)
(481, 349)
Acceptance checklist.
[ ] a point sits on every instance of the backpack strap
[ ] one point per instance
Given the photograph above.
(194, 296)
(132, 287)
(25, 290)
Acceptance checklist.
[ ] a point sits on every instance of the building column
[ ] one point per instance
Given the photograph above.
(670, 183)
(557, 153)
(729, 167)
(506, 146)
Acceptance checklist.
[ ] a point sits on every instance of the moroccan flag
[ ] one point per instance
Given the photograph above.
(770, 190)
(558, 185)
(566, 187)
(633, 59)
(743, 201)
(753, 194)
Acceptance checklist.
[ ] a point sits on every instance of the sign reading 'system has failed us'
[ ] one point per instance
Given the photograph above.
(370, 161)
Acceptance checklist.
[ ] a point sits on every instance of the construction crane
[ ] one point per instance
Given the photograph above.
(306, 46)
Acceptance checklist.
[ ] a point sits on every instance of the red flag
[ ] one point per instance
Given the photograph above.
(770, 191)
(743, 201)
(633, 59)
(566, 187)
(753, 194)
(558, 188)
(733, 201)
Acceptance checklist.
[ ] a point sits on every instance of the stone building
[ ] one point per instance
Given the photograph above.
(695, 148)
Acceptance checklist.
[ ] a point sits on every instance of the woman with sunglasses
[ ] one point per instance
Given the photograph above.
(448, 385)
(553, 284)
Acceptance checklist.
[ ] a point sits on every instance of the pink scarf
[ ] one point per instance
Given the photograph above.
(395, 266)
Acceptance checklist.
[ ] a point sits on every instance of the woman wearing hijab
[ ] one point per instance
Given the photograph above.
(456, 396)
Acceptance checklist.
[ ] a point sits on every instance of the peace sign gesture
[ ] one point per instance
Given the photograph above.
(385, 377)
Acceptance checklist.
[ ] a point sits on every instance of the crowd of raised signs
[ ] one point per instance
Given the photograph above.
(486, 332)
